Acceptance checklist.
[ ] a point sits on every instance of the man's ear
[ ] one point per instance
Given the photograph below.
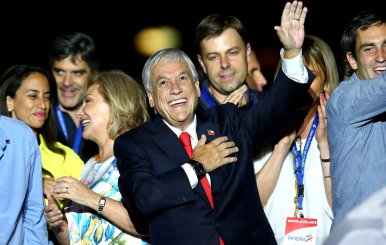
(201, 63)
(352, 61)
(248, 51)
(197, 87)
(150, 98)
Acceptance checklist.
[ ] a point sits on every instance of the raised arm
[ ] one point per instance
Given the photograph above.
(291, 30)
(323, 145)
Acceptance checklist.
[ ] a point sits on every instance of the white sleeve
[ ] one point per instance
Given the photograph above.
(294, 68)
(193, 180)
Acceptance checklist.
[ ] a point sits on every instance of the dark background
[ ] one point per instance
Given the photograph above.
(27, 29)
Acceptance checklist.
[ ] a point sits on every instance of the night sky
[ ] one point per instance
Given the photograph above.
(27, 29)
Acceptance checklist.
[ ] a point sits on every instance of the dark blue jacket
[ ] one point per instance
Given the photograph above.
(157, 193)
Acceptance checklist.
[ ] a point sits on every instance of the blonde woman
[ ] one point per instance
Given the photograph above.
(114, 103)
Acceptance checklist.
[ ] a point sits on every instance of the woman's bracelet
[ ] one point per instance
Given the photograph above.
(325, 159)
(327, 176)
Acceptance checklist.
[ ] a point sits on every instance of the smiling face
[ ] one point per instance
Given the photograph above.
(224, 59)
(175, 94)
(31, 103)
(95, 115)
(71, 78)
(370, 50)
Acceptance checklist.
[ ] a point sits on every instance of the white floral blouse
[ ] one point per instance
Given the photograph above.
(85, 225)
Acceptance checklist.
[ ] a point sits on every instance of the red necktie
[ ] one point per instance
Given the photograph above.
(185, 141)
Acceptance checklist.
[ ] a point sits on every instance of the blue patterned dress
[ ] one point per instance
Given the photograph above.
(85, 225)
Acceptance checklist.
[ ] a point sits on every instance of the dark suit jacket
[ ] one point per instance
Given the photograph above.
(156, 190)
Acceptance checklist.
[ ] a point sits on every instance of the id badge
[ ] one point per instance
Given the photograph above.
(300, 231)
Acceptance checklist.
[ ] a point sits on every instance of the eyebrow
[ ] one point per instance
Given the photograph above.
(373, 43)
(56, 69)
(37, 91)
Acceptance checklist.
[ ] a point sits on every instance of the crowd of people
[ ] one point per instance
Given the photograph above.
(199, 155)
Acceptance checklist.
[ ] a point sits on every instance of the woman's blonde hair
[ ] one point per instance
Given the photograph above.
(126, 99)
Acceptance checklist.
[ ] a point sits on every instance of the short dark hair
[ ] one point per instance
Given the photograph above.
(214, 25)
(348, 40)
(72, 45)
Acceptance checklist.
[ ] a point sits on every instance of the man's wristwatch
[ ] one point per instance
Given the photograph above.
(198, 168)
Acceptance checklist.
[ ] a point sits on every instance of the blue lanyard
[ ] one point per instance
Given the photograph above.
(62, 124)
(207, 97)
(300, 162)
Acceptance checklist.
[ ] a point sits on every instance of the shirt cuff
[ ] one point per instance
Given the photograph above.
(294, 68)
(193, 180)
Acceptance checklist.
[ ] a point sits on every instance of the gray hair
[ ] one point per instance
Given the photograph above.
(167, 55)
